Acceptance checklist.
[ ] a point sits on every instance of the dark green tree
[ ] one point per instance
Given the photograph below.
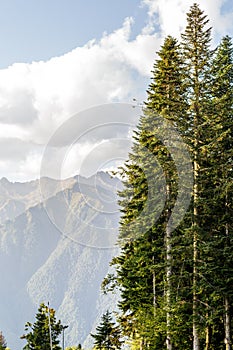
(150, 180)
(196, 47)
(218, 248)
(44, 332)
(167, 96)
(3, 343)
(166, 275)
(107, 334)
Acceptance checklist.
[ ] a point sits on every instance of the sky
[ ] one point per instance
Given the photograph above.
(73, 74)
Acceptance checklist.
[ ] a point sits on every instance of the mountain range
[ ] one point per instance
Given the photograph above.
(57, 238)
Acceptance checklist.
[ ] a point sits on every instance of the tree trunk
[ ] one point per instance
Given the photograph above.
(227, 324)
(154, 290)
(169, 270)
(207, 336)
(196, 342)
(142, 347)
(226, 301)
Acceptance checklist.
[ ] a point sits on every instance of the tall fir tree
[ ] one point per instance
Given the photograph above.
(43, 334)
(108, 334)
(196, 46)
(219, 259)
(167, 96)
(145, 260)
(163, 274)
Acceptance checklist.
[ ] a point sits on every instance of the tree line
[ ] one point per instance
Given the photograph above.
(46, 331)
(176, 284)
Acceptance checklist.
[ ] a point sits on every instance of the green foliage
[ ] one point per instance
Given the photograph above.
(107, 334)
(175, 283)
(39, 333)
(142, 265)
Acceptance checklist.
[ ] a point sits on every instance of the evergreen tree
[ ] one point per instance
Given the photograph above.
(164, 275)
(196, 47)
(107, 334)
(167, 96)
(223, 94)
(219, 259)
(145, 260)
(44, 333)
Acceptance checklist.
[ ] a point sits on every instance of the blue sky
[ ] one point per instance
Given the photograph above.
(59, 58)
(33, 30)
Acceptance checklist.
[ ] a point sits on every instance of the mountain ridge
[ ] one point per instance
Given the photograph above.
(59, 251)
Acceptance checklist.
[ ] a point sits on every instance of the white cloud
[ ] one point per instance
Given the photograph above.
(35, 99)
(89, 140)
(17, 107)
(21, 161)
(170, 15)
(220, 21)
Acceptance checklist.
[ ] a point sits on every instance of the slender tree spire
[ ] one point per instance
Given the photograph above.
(166, 96)
(196, 42)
